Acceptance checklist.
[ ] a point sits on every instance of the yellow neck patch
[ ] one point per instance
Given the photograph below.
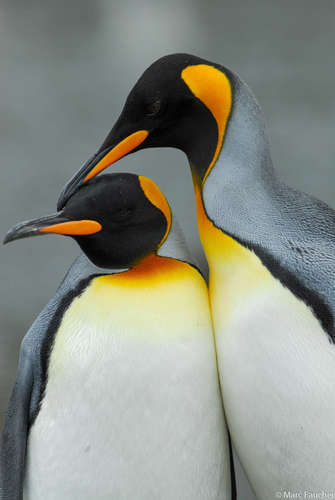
(216, 243)
(213, 89)
(156, 197)
(151, 271)
(235, 271)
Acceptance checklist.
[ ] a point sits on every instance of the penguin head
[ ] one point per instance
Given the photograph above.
(180, 101)
(117, 220)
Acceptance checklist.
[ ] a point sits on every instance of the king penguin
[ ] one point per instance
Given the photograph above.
(117, 394)
(271, 254)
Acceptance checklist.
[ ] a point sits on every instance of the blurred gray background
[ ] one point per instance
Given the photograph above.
(66, 68)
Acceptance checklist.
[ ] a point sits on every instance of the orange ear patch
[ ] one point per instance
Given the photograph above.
(76, 227)
(156, 197)
(211, 87)
(128, 144)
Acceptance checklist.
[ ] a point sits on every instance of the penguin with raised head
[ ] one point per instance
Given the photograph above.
(117, 394)
(271, 254)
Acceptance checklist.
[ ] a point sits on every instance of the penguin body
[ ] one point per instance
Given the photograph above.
(276, 364)
(270, 251)
(123, 405)
(127, 403)
(271, 254)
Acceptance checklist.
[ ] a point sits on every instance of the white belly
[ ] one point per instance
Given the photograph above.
(277, 371)
(132, 408)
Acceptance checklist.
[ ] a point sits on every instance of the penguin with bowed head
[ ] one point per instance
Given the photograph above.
(117, 393)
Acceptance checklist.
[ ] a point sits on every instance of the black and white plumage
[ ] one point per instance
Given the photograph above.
(117, 393)
(271, 253)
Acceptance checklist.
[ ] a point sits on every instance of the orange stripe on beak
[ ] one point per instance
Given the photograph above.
(128, 144)
(77, 227)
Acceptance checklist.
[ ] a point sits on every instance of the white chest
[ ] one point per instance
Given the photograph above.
(277, 371)
(132, 407)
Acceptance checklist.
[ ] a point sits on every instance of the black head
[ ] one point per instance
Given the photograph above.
(162, 103)
(116, 219)
(180, 101)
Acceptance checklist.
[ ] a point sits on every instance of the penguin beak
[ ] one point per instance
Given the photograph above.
(55, 223)
(103, 159)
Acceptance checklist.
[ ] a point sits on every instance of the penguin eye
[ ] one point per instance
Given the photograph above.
(153, 108)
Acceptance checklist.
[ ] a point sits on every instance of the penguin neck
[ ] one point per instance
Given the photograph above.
(146, 265)
(242, 173)
(244, 154)
(151, 270)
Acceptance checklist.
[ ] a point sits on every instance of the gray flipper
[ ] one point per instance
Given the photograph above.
(28, 390)
(14, 436)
